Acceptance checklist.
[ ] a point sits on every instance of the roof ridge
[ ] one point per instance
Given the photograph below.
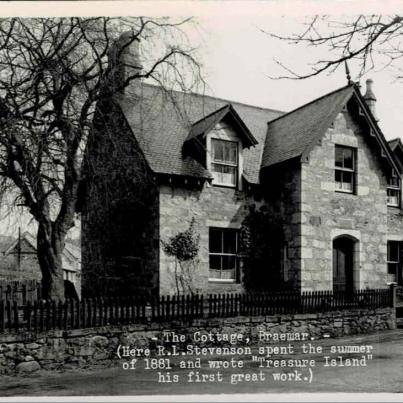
(211, 114)
(229, 101)
(309, 103)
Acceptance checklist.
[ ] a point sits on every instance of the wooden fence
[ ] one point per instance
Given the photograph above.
(75, 314)
(20, 291)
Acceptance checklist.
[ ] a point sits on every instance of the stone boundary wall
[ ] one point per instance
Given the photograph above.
(26, 352)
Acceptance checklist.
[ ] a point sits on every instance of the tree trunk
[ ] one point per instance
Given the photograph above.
(50, 247)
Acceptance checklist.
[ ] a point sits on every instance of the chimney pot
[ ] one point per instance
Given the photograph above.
(124, 59)
(370, 98)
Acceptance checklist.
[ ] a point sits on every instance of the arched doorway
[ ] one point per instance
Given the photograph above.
(343, 264)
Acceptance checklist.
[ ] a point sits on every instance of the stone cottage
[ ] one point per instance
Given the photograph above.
(160, 163)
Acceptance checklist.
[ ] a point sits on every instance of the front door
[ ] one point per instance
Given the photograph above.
(343, 265)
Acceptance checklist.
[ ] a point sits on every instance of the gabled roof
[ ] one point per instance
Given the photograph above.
(207, 123)
(293, 134)
(28, 239)
(397, 148)
(375, 131)
(70, 250)
(161, 122)
(394, 143)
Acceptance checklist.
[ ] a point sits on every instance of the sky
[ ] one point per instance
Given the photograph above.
(239, 59)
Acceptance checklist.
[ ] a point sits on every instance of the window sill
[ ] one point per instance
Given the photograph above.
(395, 208)
(348, 192)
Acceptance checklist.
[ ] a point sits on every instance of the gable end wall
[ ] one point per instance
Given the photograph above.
(120, 213)
(327, 214)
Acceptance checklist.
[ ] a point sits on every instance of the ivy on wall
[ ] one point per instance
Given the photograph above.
(261, 241)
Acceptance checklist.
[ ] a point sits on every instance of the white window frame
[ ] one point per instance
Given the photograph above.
(344, 169)
(393, 188)
(390, 262)
(231, 165)
(225, 280)
(225, 132)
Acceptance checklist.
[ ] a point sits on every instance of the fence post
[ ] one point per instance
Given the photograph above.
(8, 310)
(28, 315)
(15, 311)
(393, 287)
(2, 316)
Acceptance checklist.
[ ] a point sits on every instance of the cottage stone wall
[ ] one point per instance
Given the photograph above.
(327, 214)
(119, 205)
(210, 206)
(282, 192)
(26, 353)
(395, 224)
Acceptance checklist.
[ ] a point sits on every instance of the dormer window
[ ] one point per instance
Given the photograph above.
(393, 190)
(224, 162)
(217, 142)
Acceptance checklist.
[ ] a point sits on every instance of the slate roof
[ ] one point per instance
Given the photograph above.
(294, 133)
(204, 125)
(161, 123)
(207, 123)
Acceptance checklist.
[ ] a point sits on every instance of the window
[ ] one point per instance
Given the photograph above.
(68, 275)
(393, 190)
(223, 249)
(224, 162)
(345, 169)
(393, 259)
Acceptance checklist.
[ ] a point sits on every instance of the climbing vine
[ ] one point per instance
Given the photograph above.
(261, 240)
(184, 247)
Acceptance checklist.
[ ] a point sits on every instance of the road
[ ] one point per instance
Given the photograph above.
(383, 373)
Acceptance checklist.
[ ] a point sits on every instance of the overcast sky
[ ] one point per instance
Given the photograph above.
(238, 59)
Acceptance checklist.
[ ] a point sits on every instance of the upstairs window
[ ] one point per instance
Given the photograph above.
(393, 190)
(224, 162)
(345, 169)
(223, 254)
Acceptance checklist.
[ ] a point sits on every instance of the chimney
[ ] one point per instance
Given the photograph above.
(124, 60)
(370, 98)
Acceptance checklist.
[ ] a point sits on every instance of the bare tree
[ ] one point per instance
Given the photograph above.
(52, 74)
(362, 38)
